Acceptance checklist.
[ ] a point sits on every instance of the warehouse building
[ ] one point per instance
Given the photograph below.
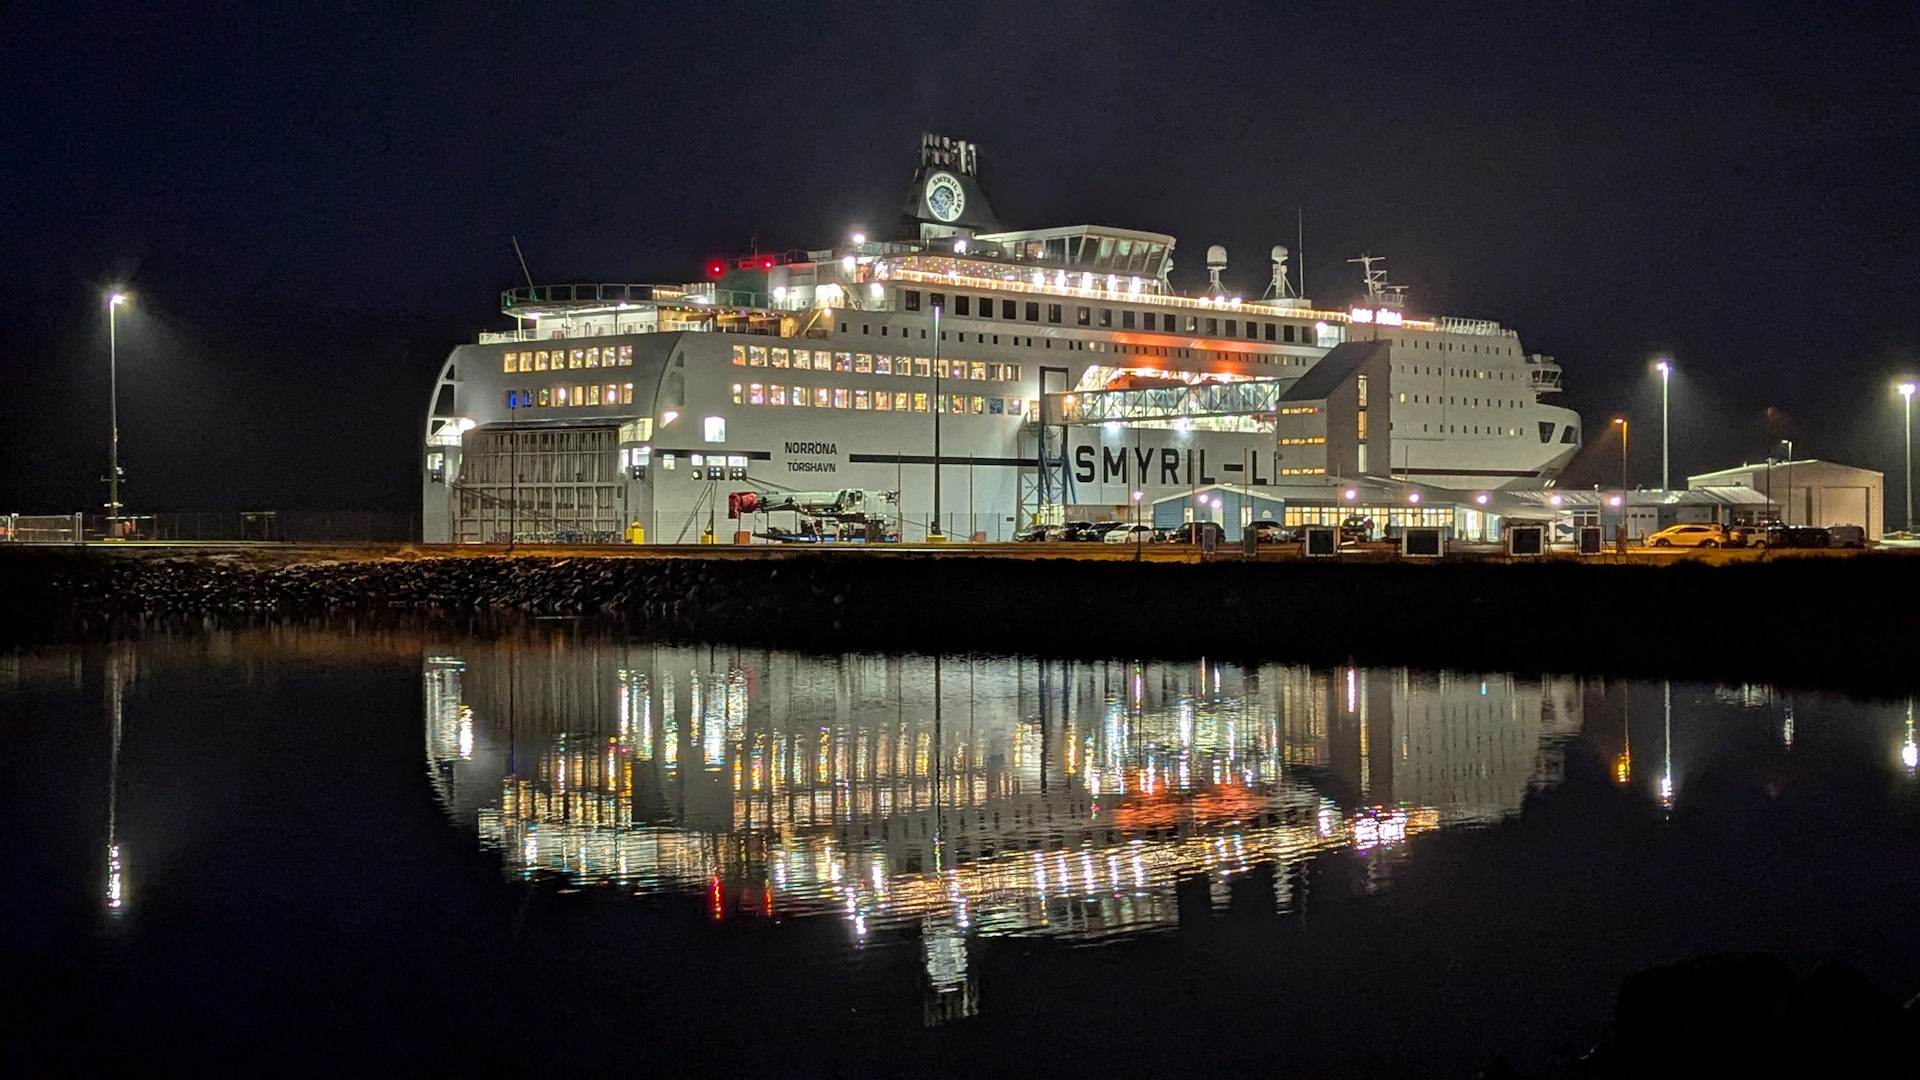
(1811, 492)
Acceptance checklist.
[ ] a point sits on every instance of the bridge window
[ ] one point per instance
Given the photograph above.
(1053, 313)
(910, 299)
(962, 304)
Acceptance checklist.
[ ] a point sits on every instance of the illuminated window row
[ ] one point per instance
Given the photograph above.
(1303, 472)
(1307, 440)
(1299, 410)
(568, 396)
(873, 364)
(1320, 335)
(567, 359)
(865, 400)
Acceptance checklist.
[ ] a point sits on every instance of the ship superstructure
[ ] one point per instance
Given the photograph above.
(993, 378)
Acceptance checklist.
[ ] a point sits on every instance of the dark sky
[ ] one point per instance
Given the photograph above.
(313, 202)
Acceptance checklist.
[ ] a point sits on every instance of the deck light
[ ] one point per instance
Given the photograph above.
(1413, 496)
(1481, 498)
(859, 238)
(1350, 494)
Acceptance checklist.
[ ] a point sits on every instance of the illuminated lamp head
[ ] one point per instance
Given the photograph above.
(1555, 500)
(1350, 494)
(1413, 496)
(1481, 498)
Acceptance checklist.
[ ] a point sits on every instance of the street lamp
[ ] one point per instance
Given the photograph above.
(1665, 368)
(114, 300)
(1620, 530)
(1906, 393)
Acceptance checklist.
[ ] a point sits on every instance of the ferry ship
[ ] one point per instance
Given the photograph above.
(961, 379)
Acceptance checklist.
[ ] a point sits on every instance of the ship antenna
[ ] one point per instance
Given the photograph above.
(1281, 287)
(1376, 280)
(523, 261)
(1300, 244)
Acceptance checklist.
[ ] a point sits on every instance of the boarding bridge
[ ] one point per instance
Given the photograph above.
(1166, 404)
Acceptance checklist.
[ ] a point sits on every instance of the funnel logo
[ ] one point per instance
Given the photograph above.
(945, 197)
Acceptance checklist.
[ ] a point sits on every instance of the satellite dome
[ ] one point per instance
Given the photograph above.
(1279, 253)
(1217, 255)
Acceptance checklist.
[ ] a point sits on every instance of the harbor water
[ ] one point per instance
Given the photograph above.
(315, 850)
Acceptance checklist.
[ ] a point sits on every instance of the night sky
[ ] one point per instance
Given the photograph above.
(313, 202)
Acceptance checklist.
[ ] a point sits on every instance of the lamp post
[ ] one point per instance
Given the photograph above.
(1789, 506)
(114, 300)
(1906, 393)
(1620, 530)
(935, 533)
(1665, 368)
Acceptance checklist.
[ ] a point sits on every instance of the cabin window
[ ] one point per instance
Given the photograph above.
(963, 305)
(910, 299)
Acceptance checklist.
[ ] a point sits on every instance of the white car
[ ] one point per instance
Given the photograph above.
(1129, 534)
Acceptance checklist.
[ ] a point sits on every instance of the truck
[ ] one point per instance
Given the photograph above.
(846, 514)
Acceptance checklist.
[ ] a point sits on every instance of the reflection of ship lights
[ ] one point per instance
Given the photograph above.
(116, 896)
(1180, 773)
(1379, 830)
(1666, 789)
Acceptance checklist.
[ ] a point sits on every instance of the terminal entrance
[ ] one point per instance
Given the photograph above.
(539, 486)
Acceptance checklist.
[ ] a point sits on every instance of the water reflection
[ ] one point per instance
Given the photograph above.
(964, 796)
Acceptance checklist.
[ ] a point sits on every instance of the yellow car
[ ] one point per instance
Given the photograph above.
(1696, 534)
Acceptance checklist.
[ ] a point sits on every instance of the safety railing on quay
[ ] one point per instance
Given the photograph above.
(213, 527)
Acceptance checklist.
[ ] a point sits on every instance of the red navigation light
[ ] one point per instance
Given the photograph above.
(716, 268)
(766, 263)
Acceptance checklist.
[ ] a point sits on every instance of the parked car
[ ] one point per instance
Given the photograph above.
(1130, 534)
(1272, 532)
(1847, 536)
(1356, 530)
(1194, 531)
(1792, 536)
(1692, 534)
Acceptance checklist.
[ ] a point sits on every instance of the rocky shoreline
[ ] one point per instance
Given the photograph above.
(1843, 624)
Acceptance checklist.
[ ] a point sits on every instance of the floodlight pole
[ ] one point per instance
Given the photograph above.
(113, 410)
(1666, 470)
(1906, 392)
(935, 532)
